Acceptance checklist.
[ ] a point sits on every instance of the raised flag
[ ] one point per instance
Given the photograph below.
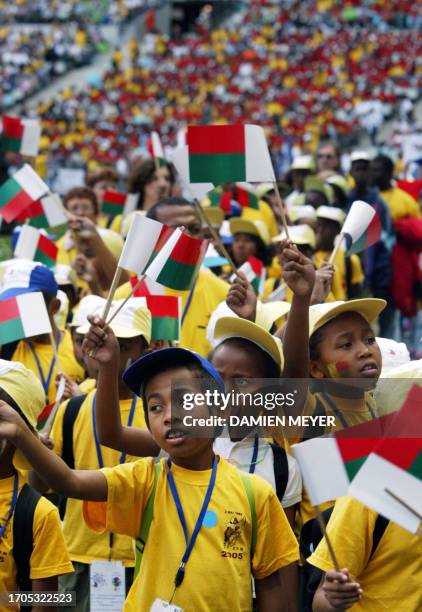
(115, 203)
(44, 414)
(34, 245)
(178, 261)
(362, 227)
(146, 287)
(21, 190)
(23, 316)
(224, 200)
(228, 153)
(145, 238)
(328, 464)
(390, 481)
(46, 212)
(20, 135)
(245, 196)
(156, 149)
(254, 270)
(165, 315)
(180, 159)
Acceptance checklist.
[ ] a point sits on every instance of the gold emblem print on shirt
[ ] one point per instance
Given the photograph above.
(233, 532)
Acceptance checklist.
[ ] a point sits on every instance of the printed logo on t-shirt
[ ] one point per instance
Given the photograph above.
(234, 529)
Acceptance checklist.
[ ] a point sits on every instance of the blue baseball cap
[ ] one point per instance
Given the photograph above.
(25, 276)
(138, 374)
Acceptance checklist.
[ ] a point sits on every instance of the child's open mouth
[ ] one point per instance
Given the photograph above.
(369, 370)
(175, 436)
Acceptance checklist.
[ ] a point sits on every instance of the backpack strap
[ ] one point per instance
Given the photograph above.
(281, 469)
(23, 521)
(315, 431)
(380, 526)
(70, 415)
(147, 517)
(248, 489)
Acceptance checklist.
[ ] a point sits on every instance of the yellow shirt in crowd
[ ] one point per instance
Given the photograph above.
(391, 579)
(66, 361)
(339, 286)
(83, 545)
(221, 555)
(49, 556)
(400, 203)
(209, 291)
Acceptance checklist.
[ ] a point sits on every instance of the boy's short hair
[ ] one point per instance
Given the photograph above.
(81, 192)
(101, 174)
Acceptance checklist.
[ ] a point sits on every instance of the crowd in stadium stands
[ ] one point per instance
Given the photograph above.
(31, 59)
(98, 11)
(310, 70)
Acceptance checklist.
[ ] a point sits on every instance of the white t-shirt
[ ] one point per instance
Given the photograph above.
(240, 454)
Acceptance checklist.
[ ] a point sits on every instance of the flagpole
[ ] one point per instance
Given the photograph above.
(323, 528)
(156, 163)
(404, 504)
(46, 430)
(127, 298)
(281, 208)
(336, 248)
(114, 285)
(215, 236)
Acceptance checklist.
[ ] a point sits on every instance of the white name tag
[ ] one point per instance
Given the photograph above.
(160, 605)
(107, 586)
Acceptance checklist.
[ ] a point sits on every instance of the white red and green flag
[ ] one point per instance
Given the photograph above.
(246, 196)
(21, 190)
(390, 481)
(362, 227)
(20, 135)
(254, 270)
(155, 148)
(147, 287)
(34, 245)
(46, 212)
(177, 263)
(144, 240)
(328, 464)
(232, 201)
(180, 159)
(228, 153)
(23, 316)
(116, 203)
(165, 316)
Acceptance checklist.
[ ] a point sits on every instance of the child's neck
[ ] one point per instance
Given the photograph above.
(201, 461)
(124, 391)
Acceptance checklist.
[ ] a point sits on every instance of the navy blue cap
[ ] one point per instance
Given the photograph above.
(27, 277)
(139, 372)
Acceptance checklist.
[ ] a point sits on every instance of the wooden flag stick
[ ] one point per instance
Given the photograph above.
(282, 211)
(127, 298)
(114, 285)
(215, 236)
(336, 248)
(51, 417)
(323, 528)
(404, 504)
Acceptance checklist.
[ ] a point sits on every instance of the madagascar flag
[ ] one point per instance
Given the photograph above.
(17, 193)
(115, 203)
(178, 262)
(20, 135)
(48, 211)
(165, 313)
(23, 316)
(43, 416)
(246, 198)
(362, 227)
(225, 201)
(228, 153)
(34, 245)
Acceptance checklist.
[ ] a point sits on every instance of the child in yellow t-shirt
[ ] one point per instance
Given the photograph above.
(34, 564)
(199, 499)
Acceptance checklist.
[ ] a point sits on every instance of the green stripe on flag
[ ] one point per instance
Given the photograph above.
(165, 328)
(39, 222)
(217, 168)
(8, 191)
(177, 275)
(44, 259)
(11, 330)
(353, 467)
(416, 468)
(9, 143)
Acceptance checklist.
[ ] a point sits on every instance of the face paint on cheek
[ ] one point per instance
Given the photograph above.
(338, 369)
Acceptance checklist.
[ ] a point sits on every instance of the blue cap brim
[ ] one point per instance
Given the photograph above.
(15, 291)
(147, 366)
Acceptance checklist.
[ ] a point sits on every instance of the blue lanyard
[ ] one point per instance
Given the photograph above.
(254, 455)
(46, 381)
(188, 303)
(189, 543)
(12, 506)
(339, 414)
(94, 425)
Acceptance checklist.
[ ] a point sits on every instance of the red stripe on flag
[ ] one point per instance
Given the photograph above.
(9, 310)
(142, 290)
(163, 306)
(165, 233)
(373, 231)
(400, 451)
(114, 197)
(12, 127)
(226, 198)
(187, 250)
(256, 265)
(208, 139)
(35, 209)
(16, 206)
(47, 246)
(355, 448)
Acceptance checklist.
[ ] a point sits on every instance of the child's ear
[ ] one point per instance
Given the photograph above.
(54, 306)
(316, 369)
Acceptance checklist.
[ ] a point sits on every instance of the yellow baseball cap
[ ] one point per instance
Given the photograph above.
(298, 234)
(134, 319)
(302, 212)
(332, 213)
(256, 228)
(24, 388)
(234, 327)
(339, 181)
(320, 314)
(214, 215)
(303, 162)
(262, 189)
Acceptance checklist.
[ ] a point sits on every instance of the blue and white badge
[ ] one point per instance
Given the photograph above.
(160, 605)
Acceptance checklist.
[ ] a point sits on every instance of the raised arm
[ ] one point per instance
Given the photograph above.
(79, 484)
(101, 343)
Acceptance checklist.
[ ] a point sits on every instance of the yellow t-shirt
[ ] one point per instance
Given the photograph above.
(391, 579)
(88, 385)
(339, 287)
(66, 361)
(221, 555)
(209, 291)
(400, 203)
(114, 224)
(264, 213)
(83, 545)
(49, 556)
